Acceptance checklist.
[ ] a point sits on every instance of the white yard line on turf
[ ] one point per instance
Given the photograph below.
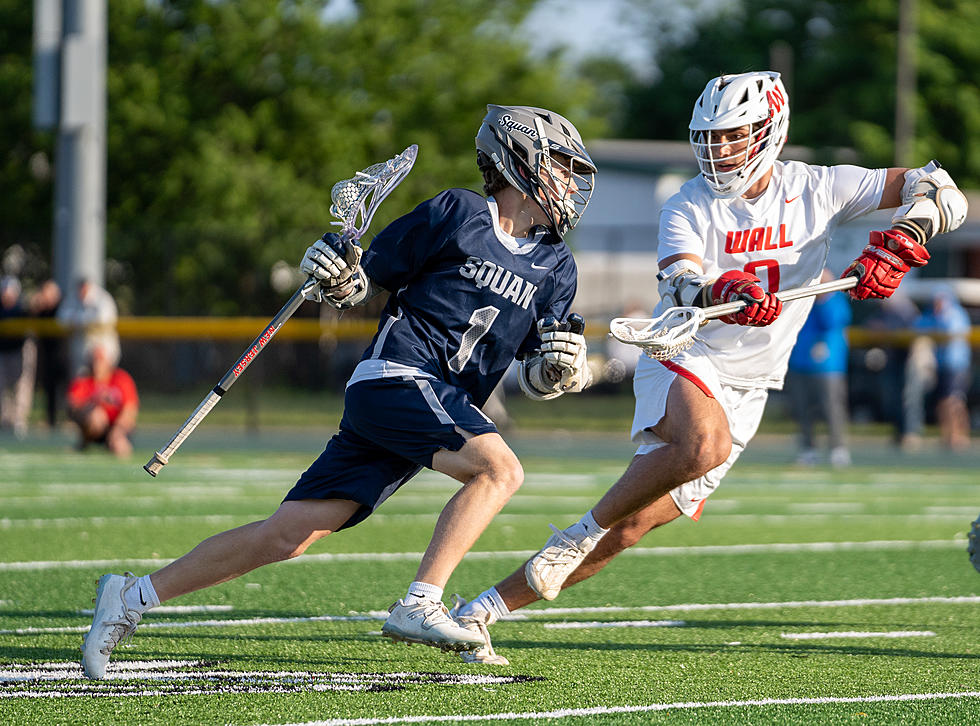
(859, 634)
(8, 523)
(102, 521)
(379, 615)
(529, 614)
(873, 545)
(606, 710)
(178, 609)
(617, 624)
(695, 607)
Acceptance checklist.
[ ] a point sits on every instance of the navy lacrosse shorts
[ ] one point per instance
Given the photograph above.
(390, 429)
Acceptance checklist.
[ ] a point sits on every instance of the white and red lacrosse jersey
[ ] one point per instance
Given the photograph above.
(782, 236)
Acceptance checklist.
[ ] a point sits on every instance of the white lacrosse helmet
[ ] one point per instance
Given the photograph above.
(757, 100)
(542, 155)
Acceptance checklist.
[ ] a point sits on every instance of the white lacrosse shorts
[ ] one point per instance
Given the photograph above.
(743, 407)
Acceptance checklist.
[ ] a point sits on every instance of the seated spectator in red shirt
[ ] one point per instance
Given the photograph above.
(103, 400)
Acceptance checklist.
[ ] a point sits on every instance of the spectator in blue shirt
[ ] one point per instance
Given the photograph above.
(818, 377)
(949, 322)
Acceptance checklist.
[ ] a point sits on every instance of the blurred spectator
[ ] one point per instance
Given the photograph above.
(91, 313)
(818, 377)
(895, 314)
(52, 363)
(18, 357)
(920, 377)
(947, 320)
(103, 400)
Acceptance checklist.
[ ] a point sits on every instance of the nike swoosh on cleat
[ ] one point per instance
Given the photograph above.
(142, 601)
(794, 198)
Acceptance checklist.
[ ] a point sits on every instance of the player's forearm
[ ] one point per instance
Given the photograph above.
(891, 193)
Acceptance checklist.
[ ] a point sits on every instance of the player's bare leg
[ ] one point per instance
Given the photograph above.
(696, 439)
(286, 534)
(122, 599)
(513, 592)
(514, 589)
(490, 473)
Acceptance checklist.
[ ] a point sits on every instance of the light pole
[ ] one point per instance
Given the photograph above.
(905, 82)
(70, 95)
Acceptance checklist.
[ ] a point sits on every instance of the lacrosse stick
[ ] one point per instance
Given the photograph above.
(352, 199)
(674, 330)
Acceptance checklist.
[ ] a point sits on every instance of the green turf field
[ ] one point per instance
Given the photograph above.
(802, 596)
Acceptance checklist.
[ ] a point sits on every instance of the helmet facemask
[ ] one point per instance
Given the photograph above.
(752, 103)
(564, 184)
(731, 165)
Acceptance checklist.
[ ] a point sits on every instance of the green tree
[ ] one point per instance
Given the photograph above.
(230, 121)
(25, 154)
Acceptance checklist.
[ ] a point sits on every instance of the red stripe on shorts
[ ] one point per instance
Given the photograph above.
(674, 368)
(697, 514)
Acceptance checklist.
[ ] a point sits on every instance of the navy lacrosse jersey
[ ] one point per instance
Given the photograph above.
(465, 297)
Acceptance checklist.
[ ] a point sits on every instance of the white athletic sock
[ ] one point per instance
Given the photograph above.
(489, 602)
(141, 596)
(422, 591)
(586, 531)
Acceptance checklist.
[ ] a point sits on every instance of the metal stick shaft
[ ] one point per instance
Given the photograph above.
(161, 457)
(375, 184)
(844, 283)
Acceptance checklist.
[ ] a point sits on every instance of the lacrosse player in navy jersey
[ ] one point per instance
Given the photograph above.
(474, 283)
(747, 226)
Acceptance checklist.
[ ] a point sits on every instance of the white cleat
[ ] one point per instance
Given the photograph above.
(428, 622)
(112, 623)
(484, 654)
(547, 571)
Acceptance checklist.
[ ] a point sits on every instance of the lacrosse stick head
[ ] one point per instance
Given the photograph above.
(355, 200)
(663, 337)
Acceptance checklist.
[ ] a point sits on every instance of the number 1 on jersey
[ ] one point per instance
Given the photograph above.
(480, 322)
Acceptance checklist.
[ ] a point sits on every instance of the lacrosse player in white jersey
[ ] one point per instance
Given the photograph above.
(747, 226)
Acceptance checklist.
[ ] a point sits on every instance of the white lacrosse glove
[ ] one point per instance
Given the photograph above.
(561, 365)
(335, 264)
(931, 203)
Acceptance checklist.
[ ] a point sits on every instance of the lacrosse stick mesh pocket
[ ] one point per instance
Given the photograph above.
(663, 337)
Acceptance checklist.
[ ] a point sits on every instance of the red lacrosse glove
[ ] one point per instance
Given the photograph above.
(883, 264)
(735, 285)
